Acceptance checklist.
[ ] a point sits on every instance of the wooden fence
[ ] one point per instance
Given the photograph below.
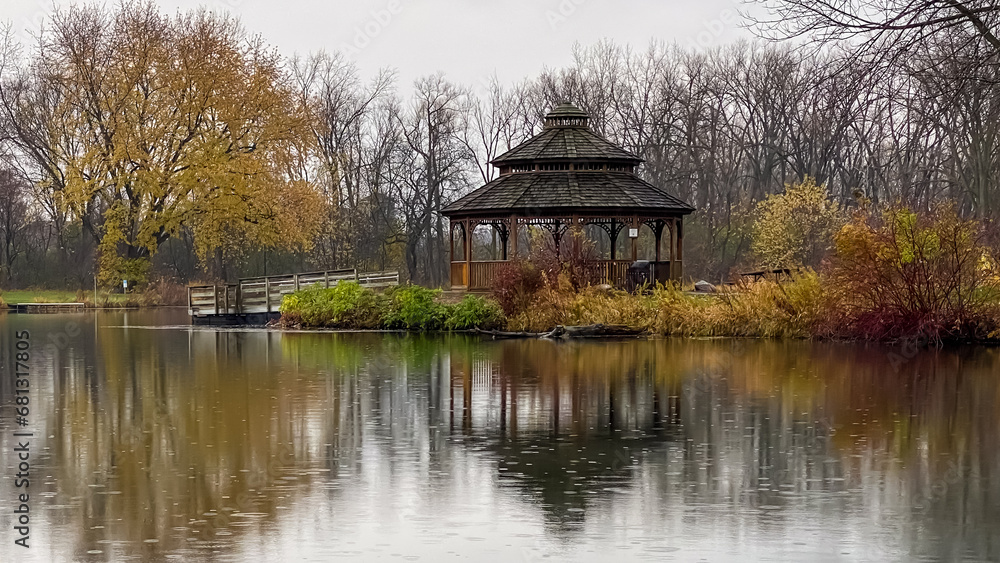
(264, 295)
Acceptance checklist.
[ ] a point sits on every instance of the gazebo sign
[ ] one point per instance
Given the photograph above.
(566, 177)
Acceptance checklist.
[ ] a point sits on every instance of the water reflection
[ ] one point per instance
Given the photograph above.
(173, 443)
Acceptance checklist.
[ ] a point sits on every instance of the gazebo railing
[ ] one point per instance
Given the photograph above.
(613, 272)
(479, 276)
(482, 274)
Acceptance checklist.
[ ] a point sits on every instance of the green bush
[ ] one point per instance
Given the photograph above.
(412, 307)
(475, 312)
(346, 305)
(350, 306)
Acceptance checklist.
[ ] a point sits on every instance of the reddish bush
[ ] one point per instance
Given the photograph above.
(903, 274)
(515, 284)
(576, 256)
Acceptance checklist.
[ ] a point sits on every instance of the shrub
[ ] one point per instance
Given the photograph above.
(576, 256)
(346, 305)
(559, 304)
(161, 291)
(475, 312)
(902, 274)
(350, 306)
(515, 285)
(546, 308)
(413, 307)
(796, 228)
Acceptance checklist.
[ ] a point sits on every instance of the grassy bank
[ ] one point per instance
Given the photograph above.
(810, 306)
(766, 310)
(155, 295)
(806, 307)
(103, 300)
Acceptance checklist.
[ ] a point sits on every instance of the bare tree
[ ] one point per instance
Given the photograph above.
(902, 24)
(340, 105)
(437, 169)
(14, 222)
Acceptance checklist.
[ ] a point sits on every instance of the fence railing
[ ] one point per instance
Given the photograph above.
(264, 295)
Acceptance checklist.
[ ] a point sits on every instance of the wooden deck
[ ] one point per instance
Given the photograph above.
(46, 307)
(257, 300)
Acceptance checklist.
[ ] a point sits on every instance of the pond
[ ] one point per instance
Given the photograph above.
(156, 441)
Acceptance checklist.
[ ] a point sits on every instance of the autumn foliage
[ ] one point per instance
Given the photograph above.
(796, 228)
(928, 275)
(159, 124)
(899, 274)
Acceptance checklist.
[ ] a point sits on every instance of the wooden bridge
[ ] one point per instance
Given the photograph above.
(258, 300)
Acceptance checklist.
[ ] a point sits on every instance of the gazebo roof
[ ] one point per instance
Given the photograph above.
(595, 191)
(566, 137)
(594, 176)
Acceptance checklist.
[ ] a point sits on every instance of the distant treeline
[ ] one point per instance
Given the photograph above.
(149, 145)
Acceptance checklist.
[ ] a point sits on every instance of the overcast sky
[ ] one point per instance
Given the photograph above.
(468, 40)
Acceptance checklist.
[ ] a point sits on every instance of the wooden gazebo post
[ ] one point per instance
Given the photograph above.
(467, 277)
(513, 232)
(680, 249)
(659, 240)
(635, 239)
(614, 240)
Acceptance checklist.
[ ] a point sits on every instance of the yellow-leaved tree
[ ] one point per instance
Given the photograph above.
(796, 228)
(163, 123)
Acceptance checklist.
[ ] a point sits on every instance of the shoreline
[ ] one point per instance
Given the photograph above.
(634, 333)
(638, 334)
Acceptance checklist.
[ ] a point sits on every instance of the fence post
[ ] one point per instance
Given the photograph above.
(326, 279)
(267, 294)
(296, 282)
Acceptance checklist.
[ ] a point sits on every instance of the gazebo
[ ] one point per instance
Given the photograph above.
(564, 178)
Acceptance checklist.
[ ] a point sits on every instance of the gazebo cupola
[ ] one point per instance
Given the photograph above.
(567, 177)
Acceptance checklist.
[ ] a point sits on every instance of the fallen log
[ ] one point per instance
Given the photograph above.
(592, 331)
(497, 334)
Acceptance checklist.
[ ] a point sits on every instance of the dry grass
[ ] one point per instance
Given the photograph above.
(763, 310)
